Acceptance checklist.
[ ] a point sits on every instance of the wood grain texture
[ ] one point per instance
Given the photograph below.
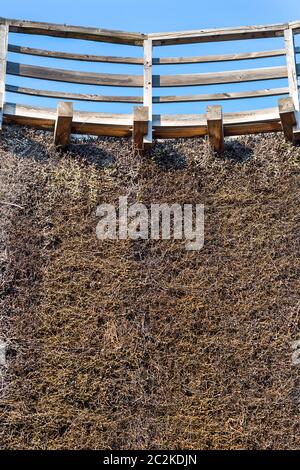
(3, 55)
(215, 35)
(75, 32)
(71, 56)
(148, 89)
(287, 116)
(218, 58)
(73, 76)
(215, 128)
(73, 96)
(140, 127)
(292, 72)
(164, 126)
(63, 124)
(122, 80)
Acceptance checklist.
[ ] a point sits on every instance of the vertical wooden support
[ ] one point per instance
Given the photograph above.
(148, 88)
(140, 127)
(292, 76)
(287, 116)
(215, 128)
(3, 54)
(63, 124)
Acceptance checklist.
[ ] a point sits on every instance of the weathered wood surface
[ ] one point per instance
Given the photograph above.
(140, 127)
(63, 124)
(73, 96)
(155, 99)
(215, 35)
(3, 54)
(72, 56)
(292, 72)
(148, 89)
(73, 76)
(122, 80)
(75, 32)
(215, 128)
(221, 96)
(232, 76)
(287, 117)
(164, 126)
(218, 58)
(139, 60)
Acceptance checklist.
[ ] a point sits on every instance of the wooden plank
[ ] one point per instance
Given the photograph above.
(232, 76)
(164, 126)
(292, 72)
(139, 99)
(75, 32)
(221, 96)
(215, 128)
(140, 127)
(215, 35)
(63, 124)
(71, 56)
(287, 116)
(73, 96)
(3, 54)
(72, 76)
(218, 58)
(148, 89)
(93, 78)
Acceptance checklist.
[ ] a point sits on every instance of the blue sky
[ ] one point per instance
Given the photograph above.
(151, 16)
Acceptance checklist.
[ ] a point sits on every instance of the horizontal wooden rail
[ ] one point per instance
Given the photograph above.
(93, 78)
(215, 78)
(72, 56)
(73, 76)
(73, 96)
(139, 60)
(218, 58)
(75, 32)
(164, 126)
(221, 96)
(155, 99)
(123, 37)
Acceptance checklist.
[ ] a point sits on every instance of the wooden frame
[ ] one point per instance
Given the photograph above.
(3, 53)
(215, 124)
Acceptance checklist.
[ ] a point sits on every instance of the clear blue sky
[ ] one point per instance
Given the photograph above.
(150, 16)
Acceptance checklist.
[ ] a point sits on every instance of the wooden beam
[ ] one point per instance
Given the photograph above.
(215, 35)
(292, 74)
(3, 54)
(215, 128)
(72, 56)
(235, 95)
(148, 89)
(74, 32)
(217, 58)
(140, 127)
(63, 124)
(74, 76)
(287, 116)
(65, 95)
(122, 80)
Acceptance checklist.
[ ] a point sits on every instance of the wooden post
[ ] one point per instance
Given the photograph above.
(140, 127)
(292, 77)
(215, 128)
(63, 124)
(287, 116)
(3, 54)
(147, 101)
